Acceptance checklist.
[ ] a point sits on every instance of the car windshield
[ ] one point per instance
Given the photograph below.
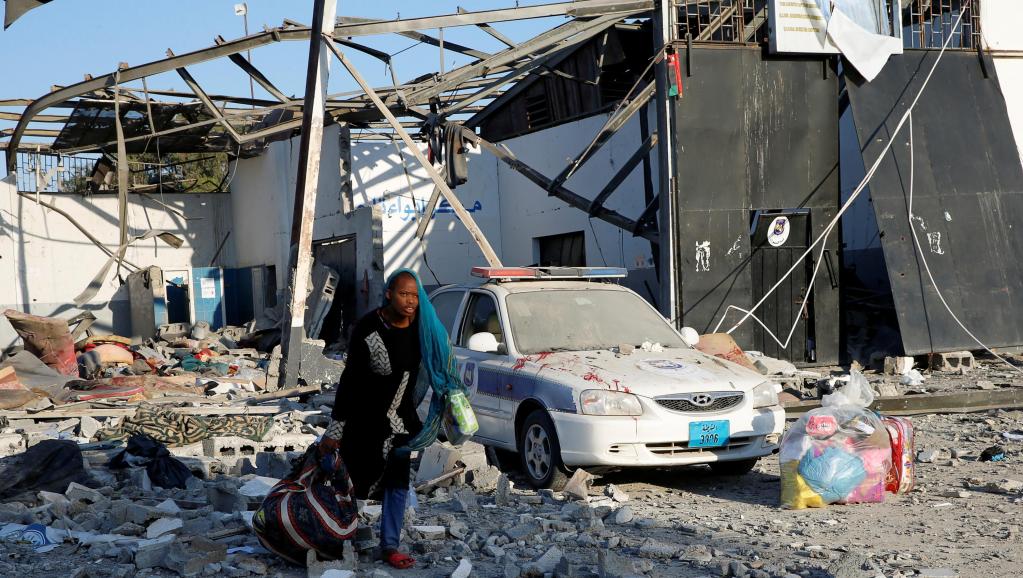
(584, 320)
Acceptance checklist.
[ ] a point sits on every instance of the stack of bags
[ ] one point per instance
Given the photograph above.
(845, 453)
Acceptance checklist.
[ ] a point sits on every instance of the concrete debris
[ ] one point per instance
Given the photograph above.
(480, 523)
(612, 491)
(163, 526)
(438, 459)
(258, 487)
(464, 569)
(578, 486)
(897, 365)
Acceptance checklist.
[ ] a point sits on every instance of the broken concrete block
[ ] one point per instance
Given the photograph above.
(12, 445)
(464, 569)
(346, 567)
(465, 500)
(548, 561)
(886, 389)
(431, 532)
(192, 559)
(224, 497)
(578, 486)
(522, 531)
(169, 507)
(233, 446)
(473, 456)
(1005, 486)
(140, 479)
(437, 460)
(502, 492)
(655, 549)
(252, 565)
(897, 365)
(316, 368)
(77, 492)
(612, 565)
(622, 515)
(484, 480)
(612, 491)
(952, 361)
(88, 426)
(128, 529)
(150, 553)
(258, 487)
(163, 526)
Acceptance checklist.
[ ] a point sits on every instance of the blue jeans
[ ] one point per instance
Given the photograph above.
(392, 518)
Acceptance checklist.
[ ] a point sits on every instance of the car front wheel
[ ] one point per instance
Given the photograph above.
(540, 452)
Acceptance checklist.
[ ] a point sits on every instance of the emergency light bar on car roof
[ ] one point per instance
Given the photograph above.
(549, 272)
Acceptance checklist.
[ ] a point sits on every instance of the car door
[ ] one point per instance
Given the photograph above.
(481, 370)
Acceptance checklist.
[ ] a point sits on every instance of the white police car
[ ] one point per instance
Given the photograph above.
(569, 371)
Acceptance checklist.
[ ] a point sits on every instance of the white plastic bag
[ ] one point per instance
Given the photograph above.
(839, 452)
(855, 392)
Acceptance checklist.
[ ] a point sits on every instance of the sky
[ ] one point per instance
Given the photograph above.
(58, 43)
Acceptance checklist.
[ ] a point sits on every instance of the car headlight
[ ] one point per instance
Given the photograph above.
(765, 395)
(604, 402)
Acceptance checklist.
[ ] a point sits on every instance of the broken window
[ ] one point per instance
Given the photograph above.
(567, 250)
(481, 317)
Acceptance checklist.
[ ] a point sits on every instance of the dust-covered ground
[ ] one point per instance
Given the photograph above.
(961, 519)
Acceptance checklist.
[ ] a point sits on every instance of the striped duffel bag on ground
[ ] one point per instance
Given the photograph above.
(314, 508)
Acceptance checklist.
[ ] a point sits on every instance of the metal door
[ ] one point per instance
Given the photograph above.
(779, 238)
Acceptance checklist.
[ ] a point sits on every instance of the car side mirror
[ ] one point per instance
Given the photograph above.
(690, 336)
(484, 342)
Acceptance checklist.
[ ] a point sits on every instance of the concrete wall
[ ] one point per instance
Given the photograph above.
(386, 175)
(46, 262)
(510, 210)
(263, 200)
(999, 21)
(527, 212)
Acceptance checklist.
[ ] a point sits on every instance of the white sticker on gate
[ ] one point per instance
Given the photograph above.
(779, 232)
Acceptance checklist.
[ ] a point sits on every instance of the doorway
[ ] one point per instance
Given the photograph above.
(779, 238)
(339, 254)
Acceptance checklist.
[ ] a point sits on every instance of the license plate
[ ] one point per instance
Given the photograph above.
(708, 434)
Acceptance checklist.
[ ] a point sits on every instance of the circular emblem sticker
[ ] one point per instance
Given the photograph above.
(779, 232)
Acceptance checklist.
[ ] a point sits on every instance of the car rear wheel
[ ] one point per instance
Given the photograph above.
(540, 453)
(734, 468)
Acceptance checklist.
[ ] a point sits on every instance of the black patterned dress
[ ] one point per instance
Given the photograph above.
(375, 403)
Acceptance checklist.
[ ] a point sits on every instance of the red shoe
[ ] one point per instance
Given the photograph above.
(398, 559)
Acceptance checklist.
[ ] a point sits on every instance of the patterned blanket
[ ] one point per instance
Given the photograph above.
(178, 429)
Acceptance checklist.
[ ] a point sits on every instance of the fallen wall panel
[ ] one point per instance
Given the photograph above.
(967, 199)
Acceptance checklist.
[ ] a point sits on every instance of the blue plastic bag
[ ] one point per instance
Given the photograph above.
(834, 474)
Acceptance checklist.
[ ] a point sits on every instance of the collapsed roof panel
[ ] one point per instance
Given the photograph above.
(92, 124)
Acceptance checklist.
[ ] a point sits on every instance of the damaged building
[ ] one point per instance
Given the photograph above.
(788, 186)
(569, 170)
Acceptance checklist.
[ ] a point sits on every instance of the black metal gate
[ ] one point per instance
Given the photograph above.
(779, 239)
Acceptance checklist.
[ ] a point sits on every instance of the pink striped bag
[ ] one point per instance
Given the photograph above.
(313, 508)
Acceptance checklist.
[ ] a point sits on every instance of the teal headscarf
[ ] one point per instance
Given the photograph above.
(439, 366)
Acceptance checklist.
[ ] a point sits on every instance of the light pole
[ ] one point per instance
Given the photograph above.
(242, 10)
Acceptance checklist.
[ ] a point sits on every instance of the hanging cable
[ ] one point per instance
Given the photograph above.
(923, 257)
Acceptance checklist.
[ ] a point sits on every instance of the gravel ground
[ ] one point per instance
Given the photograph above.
(962, 519)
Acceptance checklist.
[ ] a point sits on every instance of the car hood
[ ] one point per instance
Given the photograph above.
(644, 373)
